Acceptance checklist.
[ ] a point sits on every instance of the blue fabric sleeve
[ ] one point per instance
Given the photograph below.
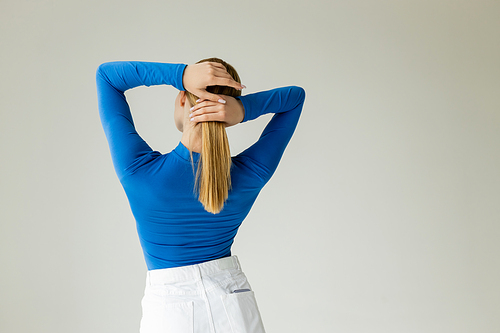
(286, 103)
(112, 80)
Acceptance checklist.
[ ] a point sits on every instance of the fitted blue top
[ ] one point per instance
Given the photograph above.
(173, 227)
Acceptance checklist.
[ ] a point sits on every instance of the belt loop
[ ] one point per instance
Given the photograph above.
(197, 272)
(237, 262)
(227, 262)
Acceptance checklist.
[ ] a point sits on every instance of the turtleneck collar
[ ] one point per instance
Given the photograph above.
(183, 153)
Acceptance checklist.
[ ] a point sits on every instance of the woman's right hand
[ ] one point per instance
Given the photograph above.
(198, 77)
(231, 113)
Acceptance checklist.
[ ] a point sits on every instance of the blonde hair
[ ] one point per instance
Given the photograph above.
(213, 177)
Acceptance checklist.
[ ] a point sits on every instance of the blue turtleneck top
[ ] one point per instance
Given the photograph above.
(173, 227)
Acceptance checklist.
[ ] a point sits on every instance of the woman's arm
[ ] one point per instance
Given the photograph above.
(286, 103)
(112, 80)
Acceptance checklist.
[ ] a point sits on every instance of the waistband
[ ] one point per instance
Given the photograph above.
(192, 272)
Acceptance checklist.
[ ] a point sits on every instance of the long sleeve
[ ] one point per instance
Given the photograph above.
(286, 103)
(112, 80)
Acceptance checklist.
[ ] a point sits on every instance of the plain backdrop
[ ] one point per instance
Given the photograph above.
(383, 216)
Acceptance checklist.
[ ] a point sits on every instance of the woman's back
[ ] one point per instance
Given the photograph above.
(174, 229)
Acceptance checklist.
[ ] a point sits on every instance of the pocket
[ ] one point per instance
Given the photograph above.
(242, 312)
(167, 317)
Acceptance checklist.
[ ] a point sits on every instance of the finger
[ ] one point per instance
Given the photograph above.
(205, 110)
(199, 100)
(226, 76)
(217, 65)
(213, 67)
(229, 82)
(222, 73)
(203, 105)
(216, 116)
(212, 97)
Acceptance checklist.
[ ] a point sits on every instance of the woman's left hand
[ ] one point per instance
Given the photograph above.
(231, 113)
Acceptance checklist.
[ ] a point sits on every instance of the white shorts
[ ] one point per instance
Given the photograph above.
(211, 297)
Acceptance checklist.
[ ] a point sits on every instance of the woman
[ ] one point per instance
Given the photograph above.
(188, 204)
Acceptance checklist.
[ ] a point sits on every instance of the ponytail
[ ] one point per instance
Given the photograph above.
(213, 177)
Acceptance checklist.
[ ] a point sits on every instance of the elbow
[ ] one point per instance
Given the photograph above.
(102, 69)
(302, 94)
(299, 93)
(99, 73)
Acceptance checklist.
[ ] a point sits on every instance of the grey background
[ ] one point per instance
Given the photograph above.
(383, 215)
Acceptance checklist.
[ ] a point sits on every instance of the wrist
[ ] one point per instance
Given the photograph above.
(242, 110)
(182, 87)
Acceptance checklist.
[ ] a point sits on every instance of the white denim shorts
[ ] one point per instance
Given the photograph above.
(211, 297)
